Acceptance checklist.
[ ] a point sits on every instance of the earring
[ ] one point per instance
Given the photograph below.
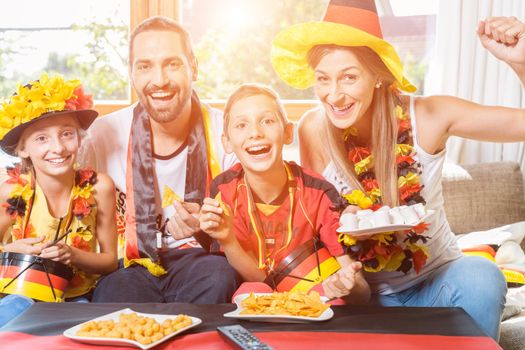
(378, 85)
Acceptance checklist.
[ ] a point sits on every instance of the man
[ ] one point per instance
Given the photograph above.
(166, 144)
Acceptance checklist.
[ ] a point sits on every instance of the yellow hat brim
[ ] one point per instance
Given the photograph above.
(290, 48)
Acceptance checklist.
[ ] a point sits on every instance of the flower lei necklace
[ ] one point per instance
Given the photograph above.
(388, 251)
(20, 203)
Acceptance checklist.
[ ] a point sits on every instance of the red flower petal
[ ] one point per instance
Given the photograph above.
(81, 207)
(403, 126)
(14, 176)
(375, 206)
(80, 243)
(357, 154)
(79, 101)
(407, 159)
(420, 228)
(17, 233)
(85, 176)
(419, 259)
(407, 191)
(370, 184)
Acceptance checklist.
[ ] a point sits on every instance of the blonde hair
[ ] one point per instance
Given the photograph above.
(248, 90)
(384, 124)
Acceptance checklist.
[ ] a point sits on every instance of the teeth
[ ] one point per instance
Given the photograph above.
(256, 148)
(259, 149)
(160, 94)
(57, 161)
(341, 109)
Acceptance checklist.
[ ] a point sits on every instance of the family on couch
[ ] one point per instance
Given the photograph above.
(372, 144)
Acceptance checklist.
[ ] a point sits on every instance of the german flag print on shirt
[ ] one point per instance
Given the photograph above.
(316, 212)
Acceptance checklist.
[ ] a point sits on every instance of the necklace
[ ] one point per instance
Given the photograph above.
(389, 251)
(20, 204)
(266, 260)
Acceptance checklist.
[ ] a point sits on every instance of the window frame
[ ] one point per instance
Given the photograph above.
(142, 9)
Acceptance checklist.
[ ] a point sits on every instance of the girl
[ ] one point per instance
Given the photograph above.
(47, 198)
(384, 148)
(276, 206)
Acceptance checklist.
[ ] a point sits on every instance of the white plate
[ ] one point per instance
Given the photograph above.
(380, 229)
(71, 332)
(326, 315)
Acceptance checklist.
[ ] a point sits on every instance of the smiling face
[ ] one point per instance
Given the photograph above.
(51, 144)
(162, 74)
(344, 86)
(256, 133)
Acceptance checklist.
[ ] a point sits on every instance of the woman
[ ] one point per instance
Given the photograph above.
(384, 148)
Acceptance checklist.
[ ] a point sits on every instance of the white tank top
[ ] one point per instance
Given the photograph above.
(442, 245)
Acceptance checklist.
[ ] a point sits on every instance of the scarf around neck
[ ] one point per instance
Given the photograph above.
(141, 183)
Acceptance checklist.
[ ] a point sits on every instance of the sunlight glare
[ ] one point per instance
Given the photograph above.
(239, 17)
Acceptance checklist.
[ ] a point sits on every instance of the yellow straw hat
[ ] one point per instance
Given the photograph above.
(39, 99)
(346, 23)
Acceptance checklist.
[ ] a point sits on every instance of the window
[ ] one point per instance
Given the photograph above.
(87, 40)
(410, 26)
(232, 39)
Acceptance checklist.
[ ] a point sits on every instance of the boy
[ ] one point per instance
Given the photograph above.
(265, 208)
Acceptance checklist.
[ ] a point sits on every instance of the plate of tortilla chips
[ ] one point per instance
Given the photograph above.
(286, 307)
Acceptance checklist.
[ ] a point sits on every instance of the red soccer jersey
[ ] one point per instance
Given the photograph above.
(316, 211)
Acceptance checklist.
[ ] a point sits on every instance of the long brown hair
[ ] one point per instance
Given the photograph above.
(384, 124)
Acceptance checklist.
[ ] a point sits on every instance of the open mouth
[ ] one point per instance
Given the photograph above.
(162, 95)
(258, 150)
(341, 110)
(58, 161)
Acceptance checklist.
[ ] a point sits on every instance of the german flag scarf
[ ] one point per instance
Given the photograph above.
(141, 187)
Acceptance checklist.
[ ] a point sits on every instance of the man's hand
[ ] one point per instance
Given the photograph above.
(185, 221)
(342, 282)
(28, 246)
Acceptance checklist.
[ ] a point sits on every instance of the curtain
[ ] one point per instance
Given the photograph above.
(462, 67)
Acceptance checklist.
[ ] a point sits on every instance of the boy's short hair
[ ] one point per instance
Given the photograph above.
(248, 90)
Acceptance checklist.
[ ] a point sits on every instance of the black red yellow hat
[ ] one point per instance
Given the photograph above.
(48, 96)
(345, 23)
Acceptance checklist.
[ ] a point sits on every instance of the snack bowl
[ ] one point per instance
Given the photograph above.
(115, 317)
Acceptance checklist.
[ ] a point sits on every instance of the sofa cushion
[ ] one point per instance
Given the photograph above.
(490, 196)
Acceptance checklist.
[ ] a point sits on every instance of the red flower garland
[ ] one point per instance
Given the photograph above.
(386, 251)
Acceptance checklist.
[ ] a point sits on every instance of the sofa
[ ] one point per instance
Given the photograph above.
(481, 197)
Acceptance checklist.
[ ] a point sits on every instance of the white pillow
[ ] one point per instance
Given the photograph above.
(453, 171)
(497, 236)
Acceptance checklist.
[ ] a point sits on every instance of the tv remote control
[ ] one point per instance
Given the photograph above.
(241, 338)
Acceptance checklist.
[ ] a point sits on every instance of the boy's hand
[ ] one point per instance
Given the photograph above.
(342, 282)
(214, 220)
(28, 246)
(185, 221)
